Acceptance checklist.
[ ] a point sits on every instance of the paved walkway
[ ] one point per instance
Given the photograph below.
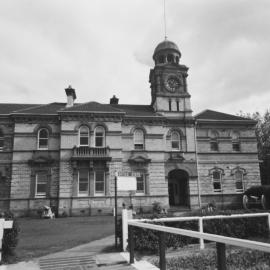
(91, 256)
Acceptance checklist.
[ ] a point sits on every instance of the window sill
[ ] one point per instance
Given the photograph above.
(99, 194)
(40, 196)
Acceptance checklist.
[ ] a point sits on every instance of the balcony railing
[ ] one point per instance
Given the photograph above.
(85, 152)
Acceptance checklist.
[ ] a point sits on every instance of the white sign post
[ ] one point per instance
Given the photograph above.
(4, 224)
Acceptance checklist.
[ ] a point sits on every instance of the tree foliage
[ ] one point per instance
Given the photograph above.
(262, 131)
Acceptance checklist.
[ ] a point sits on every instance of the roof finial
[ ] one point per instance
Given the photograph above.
(165, 28)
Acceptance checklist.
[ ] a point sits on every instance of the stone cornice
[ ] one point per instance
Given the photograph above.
(36, 119)
(92, 117)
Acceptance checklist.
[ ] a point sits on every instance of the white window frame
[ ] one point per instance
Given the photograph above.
(40, 194)
(103, 136)
(99, 193)
(85, 193)
(139, 175)
(178, 141)
(2, 140)
(84, 136)
(237, 181)
(217, 181)
(138, 139)
(39, 138)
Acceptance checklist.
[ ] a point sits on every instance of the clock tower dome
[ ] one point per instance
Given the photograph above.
(168, 82)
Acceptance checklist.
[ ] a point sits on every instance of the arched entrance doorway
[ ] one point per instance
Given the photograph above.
(178, 188)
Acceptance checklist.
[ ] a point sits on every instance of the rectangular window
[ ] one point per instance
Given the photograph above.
(99, 141)
(170, 105)
(41, 184)
(236, 146)
(83, 182)
(1, 144)
(239, 181)
(217, 181)
(140, 183)
(177, 105)
(213, 146)
(100, 183)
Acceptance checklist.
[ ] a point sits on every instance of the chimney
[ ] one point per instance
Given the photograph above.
(114, 100)
(71, 96)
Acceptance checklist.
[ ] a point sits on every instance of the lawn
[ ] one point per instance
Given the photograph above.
(39, 237)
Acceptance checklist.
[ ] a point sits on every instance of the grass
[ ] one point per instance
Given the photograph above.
(39, 237)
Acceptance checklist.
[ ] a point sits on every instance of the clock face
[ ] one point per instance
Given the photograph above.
(172, 83)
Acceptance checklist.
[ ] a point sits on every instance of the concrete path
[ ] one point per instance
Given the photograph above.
(91, 256)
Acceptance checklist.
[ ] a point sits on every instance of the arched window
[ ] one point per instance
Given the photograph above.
(138, 138)
(84, 136)
(217, 177)
(43, 139)
(238, 176)
(235, 142)
(213, 141)
(99, 136)
(161, 59)
(175, 141)
(1, 140)
(170, 58)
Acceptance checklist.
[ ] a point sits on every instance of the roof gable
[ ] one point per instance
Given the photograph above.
(219, 116)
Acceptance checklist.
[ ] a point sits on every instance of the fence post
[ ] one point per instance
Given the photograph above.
(221, 256)
(2, 222)
(201, 231)
(131, 245)
(162, 248)
(124, 229)
(269, 222)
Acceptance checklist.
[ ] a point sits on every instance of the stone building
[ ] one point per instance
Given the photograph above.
(66, 154)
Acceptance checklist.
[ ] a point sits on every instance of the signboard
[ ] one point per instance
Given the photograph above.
(126, 183)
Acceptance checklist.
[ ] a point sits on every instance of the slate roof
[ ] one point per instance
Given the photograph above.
(7, 108)
(214, 115)
(136, 110)
(49, 109)
(92, 106)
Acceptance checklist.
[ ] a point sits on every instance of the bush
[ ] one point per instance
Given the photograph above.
(10, 238)
(239, 259)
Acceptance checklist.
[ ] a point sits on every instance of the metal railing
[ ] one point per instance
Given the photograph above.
(221, 241)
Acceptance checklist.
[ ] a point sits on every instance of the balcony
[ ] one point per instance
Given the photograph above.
(91, 153)
(177, 155)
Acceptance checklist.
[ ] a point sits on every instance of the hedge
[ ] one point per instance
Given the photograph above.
(10, 237)
(236, 259)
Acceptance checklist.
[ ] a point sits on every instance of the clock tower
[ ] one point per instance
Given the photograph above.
(169, 92)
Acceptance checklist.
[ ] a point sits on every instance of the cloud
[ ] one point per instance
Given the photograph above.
(104, 47)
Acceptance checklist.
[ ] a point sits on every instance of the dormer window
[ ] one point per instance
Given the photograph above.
(43, 139)
(138, 139)
(100, 137)
(84, 136)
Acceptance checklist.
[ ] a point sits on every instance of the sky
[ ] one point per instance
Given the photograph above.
(104, 47)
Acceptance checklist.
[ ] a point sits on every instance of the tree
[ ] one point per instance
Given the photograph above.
(262, 132)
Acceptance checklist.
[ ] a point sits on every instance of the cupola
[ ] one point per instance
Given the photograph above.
(166, 52)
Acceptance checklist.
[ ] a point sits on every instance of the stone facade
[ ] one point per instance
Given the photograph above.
(66, 155)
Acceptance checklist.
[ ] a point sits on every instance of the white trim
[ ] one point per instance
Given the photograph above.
(179, 141)
(38, 139)
(79, 134)
(39, 195)
(88, 184)
(215, 181)
(144, 182)
(141, 141)
(104, 181)
(103, 137)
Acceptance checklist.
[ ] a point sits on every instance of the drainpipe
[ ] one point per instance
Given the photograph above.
(196, 156)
